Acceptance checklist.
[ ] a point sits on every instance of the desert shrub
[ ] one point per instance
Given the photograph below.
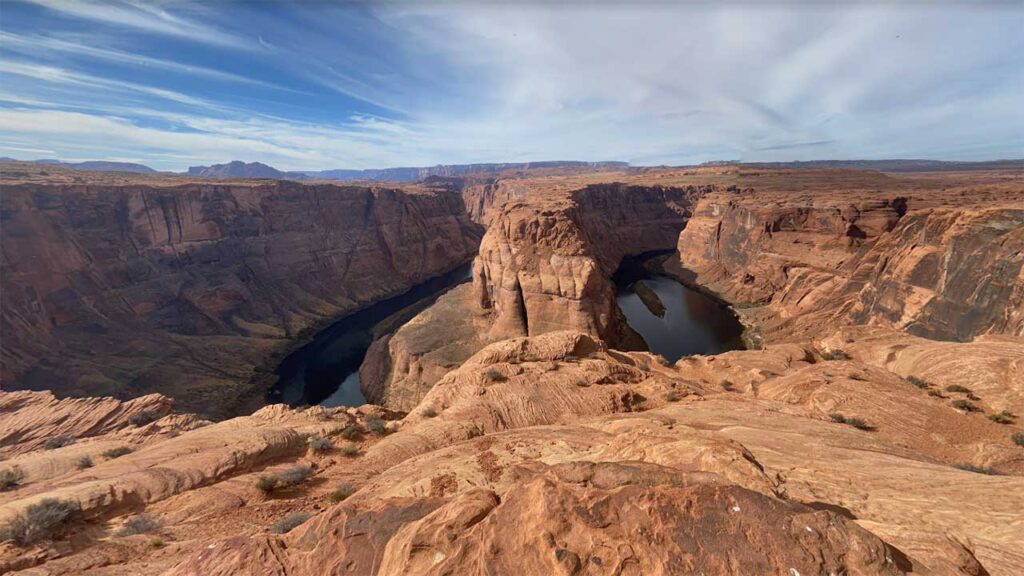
(936, 394)
(139, 524)
(376, 425)
(958, 388)
(495, 375)
(837, 418)
(342, 492)
(319, 444)
(918, 382)
(965, 406)
(156, 542)
(84, 462)
(353, 432)
(58, 442)
(117, 452)
(10, 478)
(673, 396)
(294, 475)
(39, 521)
(973, 396)
(727, 385)
(143, 418)
(1018, 438)
(582, 383)
(858, 377)
(428, 412)
(1004, 417)
(289, 523)
(858, 423)
(977, 469)
(267, 483)
(836, 354)
(350, 449)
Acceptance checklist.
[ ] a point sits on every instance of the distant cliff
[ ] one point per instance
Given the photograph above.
(128, 289)
(416, 174)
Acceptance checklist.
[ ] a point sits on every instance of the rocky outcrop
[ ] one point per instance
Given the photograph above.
(548, 267)
(543, 266)
(184, 288)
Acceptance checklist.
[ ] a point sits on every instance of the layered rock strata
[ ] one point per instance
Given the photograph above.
(184, 288)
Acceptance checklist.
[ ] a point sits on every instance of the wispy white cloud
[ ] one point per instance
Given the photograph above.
(149, 16)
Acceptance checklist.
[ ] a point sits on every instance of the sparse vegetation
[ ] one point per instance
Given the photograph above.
(295, 475)
(858, 377)
(918, 382)
(1018, 438)
(958, 388)
(342, 492)
(156, 542)
(350, 449)
(859, 423)
(376, 425)
(39, 521)
(727, 385)
(582, 383)
(84, 462)
(977, 469)
(965, 405)
(117, 452)
(972, 396)
(319, 444)
(289, 523)
(10, 478)
(1004, 417)
(495, 375)
(837, 418)
(673, 396)
(58, 442)
(143, 418)
(267, 483)
(139, 524)
(428, 412)
(353, 432)
(936, 394)
(836, 354)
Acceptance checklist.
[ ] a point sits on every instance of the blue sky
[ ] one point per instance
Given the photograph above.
(314, 85)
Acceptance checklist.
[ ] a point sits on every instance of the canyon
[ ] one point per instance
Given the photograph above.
(518, 423)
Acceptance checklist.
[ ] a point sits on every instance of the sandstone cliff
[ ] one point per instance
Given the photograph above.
(184, 288)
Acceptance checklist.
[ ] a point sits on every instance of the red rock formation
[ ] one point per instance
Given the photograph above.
(184, 288)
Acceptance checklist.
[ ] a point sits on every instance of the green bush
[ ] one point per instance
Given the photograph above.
(350, 449)
(965, 406)
(84, 462)
(289, 523)
(139, 524)
(1004, 417)
(376, 425)
(342, 492)
(352, 432)
(859, 424)
(918, 382)
(319, 444)
(58, 442)
(837, 418)
(836, 354)
(267, 483)
(39, 521)
(10, 478)
(117, 452)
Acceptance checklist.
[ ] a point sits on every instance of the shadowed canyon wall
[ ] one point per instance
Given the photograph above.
(129, 289)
